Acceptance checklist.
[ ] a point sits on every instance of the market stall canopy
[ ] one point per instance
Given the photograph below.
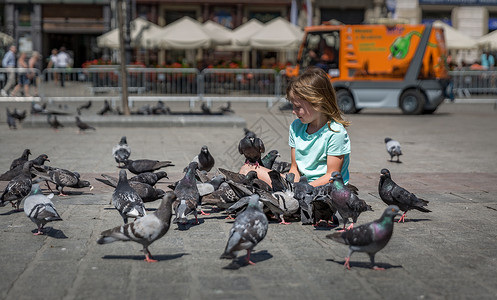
(243, 33)
(455, 39)
(6, 39)
(489, 40)
(277, 34)
(185, 33)
(140, 29)
(219, 34)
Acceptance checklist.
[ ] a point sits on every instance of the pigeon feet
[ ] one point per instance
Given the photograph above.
(248, 259)
(149, 259)
(203, 213)
(229, 217)
(402, 218)
(39, 233)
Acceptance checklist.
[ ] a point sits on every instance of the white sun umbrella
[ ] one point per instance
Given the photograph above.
(6, 39)
(220, 35)
(138, 30)
(185, 33)
(243, 33)
(278, 34)
(488, 40)
(454, 39)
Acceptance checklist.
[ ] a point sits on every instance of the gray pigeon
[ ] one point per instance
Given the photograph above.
(205, 188)
(251, 147)
(345, 201)
(126, 200)
(82, 125)
(392, 194)
(187, 196)
(145, 165)
(283, 192)
(269, 159)
(11, 121)
(62, 178)
(249, 229)
(145, 230)
(18, 188)
(40, 209)
(393, 148)
(121, 151)
(53, 122)
(149, 177)
(10, 174)
(146, 192)
(204, 159)
(370, 237)
(21, 160)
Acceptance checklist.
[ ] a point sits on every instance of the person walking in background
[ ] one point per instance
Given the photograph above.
(33, 71)
(9, 62)
(62, 62)
(23, 80)
(51, 64)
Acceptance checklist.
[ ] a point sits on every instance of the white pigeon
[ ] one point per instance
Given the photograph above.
(144, 230)
(249, 229)
(393, 148)
(40, 209)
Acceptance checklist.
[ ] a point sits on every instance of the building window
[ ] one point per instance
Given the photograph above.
(24, 14)
(223, 16)
(492, 21)
(173, 15)
(349, 16)
(264, 17)
(429, 17)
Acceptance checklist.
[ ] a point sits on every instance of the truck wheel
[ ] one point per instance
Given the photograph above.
(412, 102)
(346, 102)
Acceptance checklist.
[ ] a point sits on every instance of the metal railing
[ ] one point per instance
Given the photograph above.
(189, 84)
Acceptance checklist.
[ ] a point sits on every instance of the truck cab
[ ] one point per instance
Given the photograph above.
(399, 65)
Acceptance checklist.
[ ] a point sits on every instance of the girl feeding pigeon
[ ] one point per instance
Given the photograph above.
(318, 140)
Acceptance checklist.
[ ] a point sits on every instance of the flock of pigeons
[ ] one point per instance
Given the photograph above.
(245, 197)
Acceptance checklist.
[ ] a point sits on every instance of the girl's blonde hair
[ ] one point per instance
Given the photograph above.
(314, 86)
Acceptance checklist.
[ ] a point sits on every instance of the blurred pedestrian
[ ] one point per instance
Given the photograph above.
(51, 64)
(34, 71)
(22, 75)
(9, 62)
(62, 62)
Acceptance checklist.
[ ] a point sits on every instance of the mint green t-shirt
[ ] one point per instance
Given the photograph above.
(311, 150)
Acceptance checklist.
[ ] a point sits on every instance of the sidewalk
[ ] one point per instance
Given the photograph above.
(449, 159)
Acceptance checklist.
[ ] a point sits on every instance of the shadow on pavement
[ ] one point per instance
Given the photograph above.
(255, 257)
(365, 265)
(163, 257)
(52, 232)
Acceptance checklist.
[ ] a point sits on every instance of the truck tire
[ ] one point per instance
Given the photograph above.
(346, 102)
(412, 102)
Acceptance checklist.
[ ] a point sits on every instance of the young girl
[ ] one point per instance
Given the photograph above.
(318, 140)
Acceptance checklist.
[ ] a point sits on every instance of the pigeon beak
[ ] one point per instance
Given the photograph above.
(91, 187)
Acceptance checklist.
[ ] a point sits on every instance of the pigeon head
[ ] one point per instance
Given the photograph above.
(122, 175)
(385, 173)
(254, 202)
(123, 141)
(205, 149)
(387, 139)
(391, 211)
(161, 174)
(273, 153)
(251, 175)
(335, 175)
(35, 189)
(26, 152)
(193, 165)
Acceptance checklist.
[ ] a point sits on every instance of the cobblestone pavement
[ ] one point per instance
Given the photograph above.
(449, 159)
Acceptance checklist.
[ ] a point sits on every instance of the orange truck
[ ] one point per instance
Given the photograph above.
(371, 66)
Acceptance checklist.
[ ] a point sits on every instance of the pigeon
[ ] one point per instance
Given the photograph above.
(223, 197)
(161, 109)
(251, 147)
(85, 106)
(21, 160)
(344, 200)
(11, 121)
(82, 125)
(205, 109)
(226, 109)
(62, 178)
(270, 203)
(283, 192)
(370, 237)
(149, 177)
(269, 159)
(249, 228)
(146, 192)
(393, 148)
(304, 193)
(107, 108)
(393, 194)
(37, 108)
(187, 196)
(121, 151)
(204, 159)
(18, 188)
(40, 209)
(205, 188)
(126, 200)
(145, 165)
(145, 230)
(19, 115)
(53, 122)
(10, 174)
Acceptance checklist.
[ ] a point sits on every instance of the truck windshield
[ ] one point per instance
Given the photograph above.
(321, 50)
